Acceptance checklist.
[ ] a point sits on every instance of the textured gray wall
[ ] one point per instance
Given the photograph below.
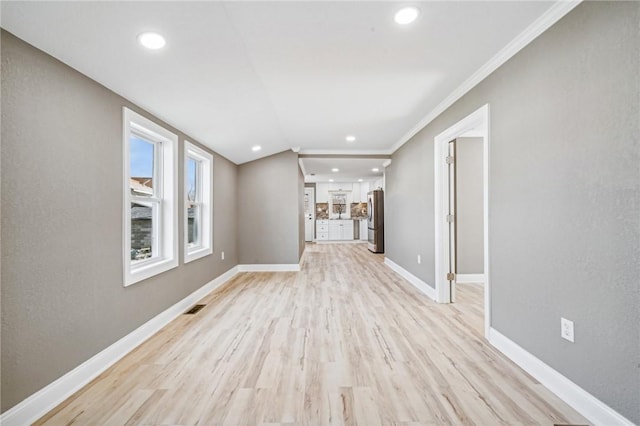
(564, 186)
(469, 208)
(268, 210)
(408, 208)
(62, 295)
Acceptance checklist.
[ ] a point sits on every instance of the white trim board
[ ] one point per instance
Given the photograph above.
(470, 278)
(295, 267)
(583, 402)
(47, 398)
(478, 118)
(413, 280)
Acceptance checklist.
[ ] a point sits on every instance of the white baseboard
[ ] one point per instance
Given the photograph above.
(270, 267)
(470, 278)
(583, 402)
(47, 398)
(425, 288)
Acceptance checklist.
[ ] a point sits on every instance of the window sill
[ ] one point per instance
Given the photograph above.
(141, 273)
(196, 253)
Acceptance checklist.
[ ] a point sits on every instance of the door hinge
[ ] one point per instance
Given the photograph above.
(450, 218)
(449, 159)
(451, 276)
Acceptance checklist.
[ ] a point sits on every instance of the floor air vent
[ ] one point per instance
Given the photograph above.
(194, 310)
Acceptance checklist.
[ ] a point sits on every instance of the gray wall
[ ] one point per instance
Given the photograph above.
(269, 209)
(62, 295)
(469, 206)
(564, 197)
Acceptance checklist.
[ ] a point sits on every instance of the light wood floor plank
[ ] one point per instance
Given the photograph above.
(345, 341)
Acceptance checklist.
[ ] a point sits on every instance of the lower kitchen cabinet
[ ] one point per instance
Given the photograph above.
(340, 230)
(363, 229)
(322, 230)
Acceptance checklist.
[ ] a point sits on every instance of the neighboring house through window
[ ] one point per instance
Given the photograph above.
(150, 198)
(198, 198)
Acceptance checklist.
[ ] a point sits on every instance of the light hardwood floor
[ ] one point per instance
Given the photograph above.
(344, 341)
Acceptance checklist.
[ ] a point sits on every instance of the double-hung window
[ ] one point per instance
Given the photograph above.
(150, 198)
(198, 198)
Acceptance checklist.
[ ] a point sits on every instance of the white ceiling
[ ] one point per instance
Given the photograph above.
(278, 74)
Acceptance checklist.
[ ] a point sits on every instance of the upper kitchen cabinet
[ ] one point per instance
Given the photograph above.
(322, 192)
(360, 190)
(364, 190)
(356, 193)
(340, 186)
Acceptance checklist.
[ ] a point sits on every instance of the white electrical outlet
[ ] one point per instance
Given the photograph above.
(222, 255)
(566, 329)
(419, 259)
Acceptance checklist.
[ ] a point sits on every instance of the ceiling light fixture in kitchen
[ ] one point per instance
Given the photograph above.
(256, 148)
(359, 180)
(350, 138)
(335, 169)
(407, 15)
(375, 169)
(330, 180)
(153, 41)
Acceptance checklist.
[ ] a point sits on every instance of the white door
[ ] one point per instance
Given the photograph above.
(309, 213)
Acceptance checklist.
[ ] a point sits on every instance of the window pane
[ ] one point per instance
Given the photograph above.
(141, 153)
(192, 179)
(193, 231)
(141, 231)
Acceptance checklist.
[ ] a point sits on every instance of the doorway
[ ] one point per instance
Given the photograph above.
(447, 210)
(309, 214)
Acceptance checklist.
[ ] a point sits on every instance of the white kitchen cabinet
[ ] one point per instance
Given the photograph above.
(364, 189)
(357, 195)
(363, 230)
(322, 230)
(340, 186)
(340, 230)
(322, 192)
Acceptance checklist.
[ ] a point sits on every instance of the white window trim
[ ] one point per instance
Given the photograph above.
(206, 195)
(167, 188)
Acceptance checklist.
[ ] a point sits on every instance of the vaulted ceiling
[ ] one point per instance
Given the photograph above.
(278, 74)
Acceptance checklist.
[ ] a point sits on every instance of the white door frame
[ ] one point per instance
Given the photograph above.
(478, 118)
(312, 200)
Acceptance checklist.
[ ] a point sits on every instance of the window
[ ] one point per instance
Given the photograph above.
(197, 194)
(150, 195)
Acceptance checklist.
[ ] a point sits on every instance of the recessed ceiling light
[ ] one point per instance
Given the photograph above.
(335, 169)
(350, 138)
(359, 180)
(330, 180)
(407, 15)
(375, 169)
(153, 41)
(256, 148)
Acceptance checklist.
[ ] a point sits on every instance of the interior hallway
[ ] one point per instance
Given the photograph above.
(345, 341)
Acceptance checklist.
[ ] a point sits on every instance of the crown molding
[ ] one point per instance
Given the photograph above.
(540, 25)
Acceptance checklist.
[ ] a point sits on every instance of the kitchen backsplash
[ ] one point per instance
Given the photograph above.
(358, 210)
(322, 210)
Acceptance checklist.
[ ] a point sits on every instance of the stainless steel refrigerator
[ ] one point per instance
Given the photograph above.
(375, 211)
